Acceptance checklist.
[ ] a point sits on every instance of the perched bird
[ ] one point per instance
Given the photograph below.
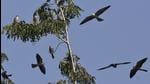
(114, 65)
(39, 64)
(138, 67)
(51, 51)
(35, 18)
(5, 75)
(95, 15)
(16, 19)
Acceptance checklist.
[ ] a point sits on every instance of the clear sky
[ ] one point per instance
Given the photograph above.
(124, 35)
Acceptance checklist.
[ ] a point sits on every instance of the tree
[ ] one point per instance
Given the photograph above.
(54, 20)
(5, 76)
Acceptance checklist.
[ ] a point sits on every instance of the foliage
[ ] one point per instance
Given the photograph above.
(3, 58)
(53, 18)
(81, 75)
(50, 22)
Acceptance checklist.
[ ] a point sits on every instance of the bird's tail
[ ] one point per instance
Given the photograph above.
(99, 19)
(34, 65)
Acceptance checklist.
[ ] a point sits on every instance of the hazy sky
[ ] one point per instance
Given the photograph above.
(124, 35)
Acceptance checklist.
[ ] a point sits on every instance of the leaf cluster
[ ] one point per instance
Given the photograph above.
(51, 21)
(81, 75)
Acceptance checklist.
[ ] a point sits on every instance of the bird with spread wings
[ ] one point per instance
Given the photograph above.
(95, 15)
(114, 65)
(138, 67)
(39, 64)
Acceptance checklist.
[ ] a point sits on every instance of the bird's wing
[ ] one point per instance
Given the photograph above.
(104, 67)
(141, 62)
(123, 63)
(42, 69)
(133, 72)
(88, 18)
(100, 11)
(39, 59)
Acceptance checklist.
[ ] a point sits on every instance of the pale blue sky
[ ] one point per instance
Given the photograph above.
(124, 35)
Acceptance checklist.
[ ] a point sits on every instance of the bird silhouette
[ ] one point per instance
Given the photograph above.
(95, 15)
(39, 64)
(5, 75)
(138, 67)
(114, 65)
(51, 51)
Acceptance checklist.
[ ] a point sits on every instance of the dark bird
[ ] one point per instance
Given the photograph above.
(16, 19)
(138, 67)
(39, 64)
(95, 15)
(5, 75)
(114, 65)
(48, 0)
(51, 51)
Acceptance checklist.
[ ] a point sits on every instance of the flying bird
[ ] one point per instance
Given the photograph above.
(95, 15)
(5, 75)
(39, 64)
(114, 65)
(51, 51)
(138, 67)
(16, 19)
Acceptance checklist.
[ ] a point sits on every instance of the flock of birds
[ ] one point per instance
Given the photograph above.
(85, 20)
(95, 15)
(41, 66)
(133, 71)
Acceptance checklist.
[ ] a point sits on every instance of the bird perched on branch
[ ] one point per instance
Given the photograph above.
(138, 67)
(16, 19)
(35, 18)
(5, 75)
(95, 15)
(39, 64)
(114, 65)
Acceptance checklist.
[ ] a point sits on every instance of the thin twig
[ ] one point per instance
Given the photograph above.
(57, 46)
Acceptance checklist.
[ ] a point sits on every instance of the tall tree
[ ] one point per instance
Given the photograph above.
(53, 18)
